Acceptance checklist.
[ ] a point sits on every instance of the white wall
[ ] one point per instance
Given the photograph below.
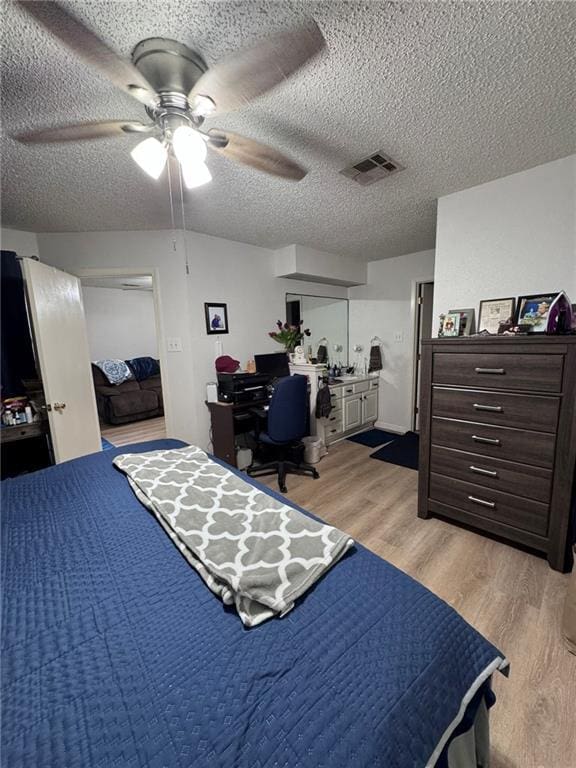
(512, 236)
(120, 323)
(241, 276)
(385, 308)
(159, 252)
(24, 243)
(237, 274)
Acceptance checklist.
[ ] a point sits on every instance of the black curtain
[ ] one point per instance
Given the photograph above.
(16, 343)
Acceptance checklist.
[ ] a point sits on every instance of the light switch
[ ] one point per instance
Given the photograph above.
(174, 344)
(398, 337)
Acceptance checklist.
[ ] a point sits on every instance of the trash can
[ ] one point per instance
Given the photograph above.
(313, 449)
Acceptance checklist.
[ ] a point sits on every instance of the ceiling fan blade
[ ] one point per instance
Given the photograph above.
(238, 79)
(250, 152)
(82, 131)
(88, 46)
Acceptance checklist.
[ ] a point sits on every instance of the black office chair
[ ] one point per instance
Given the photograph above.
(287, 425)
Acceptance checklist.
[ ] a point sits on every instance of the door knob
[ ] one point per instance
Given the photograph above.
(59, 406)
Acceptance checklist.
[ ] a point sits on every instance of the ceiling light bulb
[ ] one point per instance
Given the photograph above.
(189, 146)
(151, 156)
(195, 174)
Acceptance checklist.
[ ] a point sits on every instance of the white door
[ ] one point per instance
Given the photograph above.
(370, 407)
(352, 412)
(59, 330)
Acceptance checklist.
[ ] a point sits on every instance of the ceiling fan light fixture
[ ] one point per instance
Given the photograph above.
(189, 146)
(151, 156)
(203, 106)
(195, 175)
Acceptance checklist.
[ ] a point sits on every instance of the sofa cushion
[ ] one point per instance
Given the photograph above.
(153, 382)
(144, 367)
(116, 371)
(133, 402)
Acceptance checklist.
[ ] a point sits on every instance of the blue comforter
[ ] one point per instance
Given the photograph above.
(116, 654)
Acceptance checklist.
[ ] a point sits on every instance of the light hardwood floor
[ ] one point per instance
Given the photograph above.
(137, 432)
(512, 597)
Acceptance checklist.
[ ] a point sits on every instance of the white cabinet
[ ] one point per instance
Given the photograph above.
(352, 412)
(355, 408)
(370, 406)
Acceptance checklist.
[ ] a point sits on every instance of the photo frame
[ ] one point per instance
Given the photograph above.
(216, 318)
(494, 313)
(451, 324)
(532, 311)
(466, 325)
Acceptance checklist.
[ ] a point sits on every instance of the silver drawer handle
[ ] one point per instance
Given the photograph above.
(500, 371)
(483, 502)
(489, 440)
(494, 408)
(482, 471)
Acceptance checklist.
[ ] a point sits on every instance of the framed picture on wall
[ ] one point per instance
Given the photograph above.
(466, 325)
(532, 311)
(216, 318)
(494, 312)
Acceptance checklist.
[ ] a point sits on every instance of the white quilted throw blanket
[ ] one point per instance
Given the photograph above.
(252, 550)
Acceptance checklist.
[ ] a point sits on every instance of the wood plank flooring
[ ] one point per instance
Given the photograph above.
(137, 432)
(512, 597)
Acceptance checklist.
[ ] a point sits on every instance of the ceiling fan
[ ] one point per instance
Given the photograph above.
(178, 92)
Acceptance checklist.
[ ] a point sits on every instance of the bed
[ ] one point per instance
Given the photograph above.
(116, 654)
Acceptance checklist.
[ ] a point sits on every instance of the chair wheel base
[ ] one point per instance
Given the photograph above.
(283, 489)
(315, 474)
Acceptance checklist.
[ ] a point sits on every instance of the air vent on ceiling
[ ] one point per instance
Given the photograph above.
(372, 169)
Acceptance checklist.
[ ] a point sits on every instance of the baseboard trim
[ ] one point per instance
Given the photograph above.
(391, 427)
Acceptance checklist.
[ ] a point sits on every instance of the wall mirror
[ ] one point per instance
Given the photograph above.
(327, 319)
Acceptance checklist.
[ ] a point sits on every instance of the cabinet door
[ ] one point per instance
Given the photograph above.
(352, 412)
(370, 407)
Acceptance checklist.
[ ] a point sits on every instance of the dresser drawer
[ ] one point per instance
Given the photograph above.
(537, 372)
(521, 411)
(520, 479)
(500, 442)
(505, 508)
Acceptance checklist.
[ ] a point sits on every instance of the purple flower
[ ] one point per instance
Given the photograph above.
(279, 323)
(307, 332)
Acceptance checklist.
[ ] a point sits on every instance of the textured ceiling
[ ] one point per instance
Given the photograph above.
(459, 93)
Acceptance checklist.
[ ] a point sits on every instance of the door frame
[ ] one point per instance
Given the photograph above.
(154, 273)
(415, 314)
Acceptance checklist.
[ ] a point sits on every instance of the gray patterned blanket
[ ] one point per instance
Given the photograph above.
(253, 551)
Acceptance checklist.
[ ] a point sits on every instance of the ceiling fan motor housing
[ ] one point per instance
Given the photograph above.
(172, 69)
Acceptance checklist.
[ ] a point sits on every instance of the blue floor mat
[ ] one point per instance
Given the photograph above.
(107, 445)
(373, 437)
(403, 451)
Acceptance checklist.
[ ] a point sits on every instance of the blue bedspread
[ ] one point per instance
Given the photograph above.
(116, 654)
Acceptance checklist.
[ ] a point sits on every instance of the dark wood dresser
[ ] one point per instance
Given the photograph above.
(498, 437)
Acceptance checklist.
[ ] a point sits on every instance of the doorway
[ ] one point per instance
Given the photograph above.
(122, 325)
(423, 330)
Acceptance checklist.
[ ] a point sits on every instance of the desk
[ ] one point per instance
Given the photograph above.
(228, 421)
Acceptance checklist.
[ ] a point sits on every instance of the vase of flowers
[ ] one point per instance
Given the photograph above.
(289, 336)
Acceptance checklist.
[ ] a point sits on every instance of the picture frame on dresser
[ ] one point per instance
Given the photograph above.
(493, 313)
(532, 311)
(466, 324)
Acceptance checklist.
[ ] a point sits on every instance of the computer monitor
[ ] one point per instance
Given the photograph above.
(274, 365)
